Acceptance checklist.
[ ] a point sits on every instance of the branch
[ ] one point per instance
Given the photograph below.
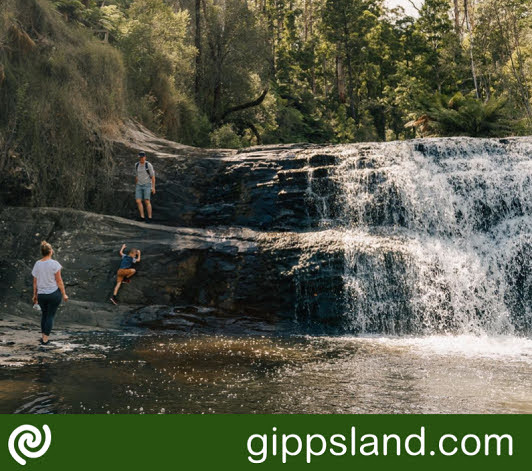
(249, 104)
(414, 5)
(255, 131)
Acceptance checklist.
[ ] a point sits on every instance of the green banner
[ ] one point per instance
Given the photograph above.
(265, 441)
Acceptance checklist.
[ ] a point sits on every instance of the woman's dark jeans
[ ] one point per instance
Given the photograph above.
(49, 304)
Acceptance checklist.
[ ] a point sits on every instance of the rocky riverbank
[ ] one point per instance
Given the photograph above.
(380, 238)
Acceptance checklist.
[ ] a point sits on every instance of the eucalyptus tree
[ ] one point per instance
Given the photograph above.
(236, 59)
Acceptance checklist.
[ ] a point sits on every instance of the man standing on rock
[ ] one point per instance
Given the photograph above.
(144, 185)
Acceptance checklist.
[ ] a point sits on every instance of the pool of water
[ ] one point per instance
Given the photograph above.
(171, 373)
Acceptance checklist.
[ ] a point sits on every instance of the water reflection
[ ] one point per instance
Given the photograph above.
(221, 374)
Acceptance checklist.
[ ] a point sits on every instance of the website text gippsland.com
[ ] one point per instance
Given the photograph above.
(275, 446)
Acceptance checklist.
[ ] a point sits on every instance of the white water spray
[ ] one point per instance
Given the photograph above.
(436, 235)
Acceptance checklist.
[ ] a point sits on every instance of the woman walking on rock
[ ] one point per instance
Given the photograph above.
(48, 289)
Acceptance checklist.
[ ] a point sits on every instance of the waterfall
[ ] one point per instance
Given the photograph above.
(436, 233)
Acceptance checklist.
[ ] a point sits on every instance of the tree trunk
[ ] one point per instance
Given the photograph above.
(457, 19)
(470, 32)
(305, 16)
(340, 77)
(197, 43)
(215, 47)
(311, 33)
(325, 83)
(217, 90)
(350, 84)
(255, 131)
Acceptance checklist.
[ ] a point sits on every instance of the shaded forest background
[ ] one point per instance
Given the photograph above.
(234, 73)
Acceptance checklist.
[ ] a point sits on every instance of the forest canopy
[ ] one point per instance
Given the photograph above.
(234, 73)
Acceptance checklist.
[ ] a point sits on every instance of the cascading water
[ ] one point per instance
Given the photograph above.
(436, 234)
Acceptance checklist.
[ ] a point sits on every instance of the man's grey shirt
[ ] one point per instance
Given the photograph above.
(142, 175)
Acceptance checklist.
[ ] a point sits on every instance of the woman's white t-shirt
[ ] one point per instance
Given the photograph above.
(45, 274)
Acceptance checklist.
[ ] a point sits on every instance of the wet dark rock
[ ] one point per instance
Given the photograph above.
(259, 234)
(234, 270)
(420, 148)
(202, 188)
(195, 320)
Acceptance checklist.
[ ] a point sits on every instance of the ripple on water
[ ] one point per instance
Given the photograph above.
(229, 374)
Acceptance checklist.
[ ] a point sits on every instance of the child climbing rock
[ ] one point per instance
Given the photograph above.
(126, 270)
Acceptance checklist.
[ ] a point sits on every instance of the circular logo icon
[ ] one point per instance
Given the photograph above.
(28, 436)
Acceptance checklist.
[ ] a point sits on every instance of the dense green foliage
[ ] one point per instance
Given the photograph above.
(464, 116)
(242, 72)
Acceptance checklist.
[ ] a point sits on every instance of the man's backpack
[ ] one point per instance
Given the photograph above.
(146, 166)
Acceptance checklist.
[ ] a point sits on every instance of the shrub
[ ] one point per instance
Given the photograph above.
(225, 137)
(62, 89)
(463, 116)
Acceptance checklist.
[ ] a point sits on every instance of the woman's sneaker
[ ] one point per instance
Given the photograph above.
(126, 280)
(114, 300)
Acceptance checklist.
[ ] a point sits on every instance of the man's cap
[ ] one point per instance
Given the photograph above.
(142, 154)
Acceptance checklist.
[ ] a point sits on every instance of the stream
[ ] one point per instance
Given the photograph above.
(173, 373)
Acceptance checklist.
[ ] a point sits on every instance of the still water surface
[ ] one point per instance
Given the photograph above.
(253, 374)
